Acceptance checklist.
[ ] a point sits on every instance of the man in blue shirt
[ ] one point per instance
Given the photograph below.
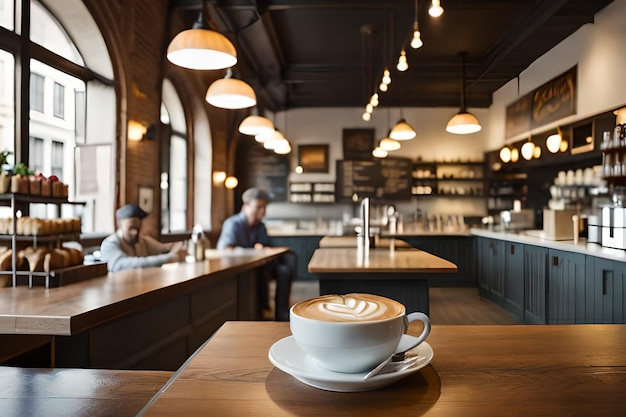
(247, 230)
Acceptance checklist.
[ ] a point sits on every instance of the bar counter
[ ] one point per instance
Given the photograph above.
(480, 371)
(398, 274)
(173, 307)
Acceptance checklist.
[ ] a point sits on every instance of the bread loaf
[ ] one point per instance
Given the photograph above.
(35, 257)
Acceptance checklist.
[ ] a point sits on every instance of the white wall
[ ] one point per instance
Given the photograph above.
(598, 50)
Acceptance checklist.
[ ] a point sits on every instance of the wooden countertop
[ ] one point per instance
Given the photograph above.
(485, 371)
(73, 308)
(26, 392)
(340, 260)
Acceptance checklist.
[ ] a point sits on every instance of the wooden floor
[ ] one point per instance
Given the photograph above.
(447, 305)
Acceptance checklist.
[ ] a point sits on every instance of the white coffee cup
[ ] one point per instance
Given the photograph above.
(351, 333)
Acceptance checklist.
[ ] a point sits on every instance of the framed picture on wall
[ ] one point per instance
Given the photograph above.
(358, 144)
(146, 198)
(313, 158)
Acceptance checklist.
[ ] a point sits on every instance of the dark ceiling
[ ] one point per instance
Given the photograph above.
(331, 53)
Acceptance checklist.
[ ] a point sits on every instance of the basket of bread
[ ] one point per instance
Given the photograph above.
(52, 267)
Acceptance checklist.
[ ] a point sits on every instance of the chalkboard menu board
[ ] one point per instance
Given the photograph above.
(266, 170)
(384, 179)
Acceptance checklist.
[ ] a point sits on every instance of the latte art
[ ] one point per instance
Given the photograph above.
(349, 308)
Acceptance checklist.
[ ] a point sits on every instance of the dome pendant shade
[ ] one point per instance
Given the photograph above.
(388, 144)
(256, 125)
(553, 143)
(201, 49)
(463, 122)
(402, 131)
(230, 93)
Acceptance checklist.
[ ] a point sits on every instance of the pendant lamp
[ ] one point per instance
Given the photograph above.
(388, 144)
(254, 125)
(463, 122)
(201, 48)
(230, 93)
(402, 131)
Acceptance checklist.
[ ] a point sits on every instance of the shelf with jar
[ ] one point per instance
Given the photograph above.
(448, 179)
(613, 147)
(312, 192)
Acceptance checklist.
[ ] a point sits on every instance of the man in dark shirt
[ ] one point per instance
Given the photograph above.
(247, 230)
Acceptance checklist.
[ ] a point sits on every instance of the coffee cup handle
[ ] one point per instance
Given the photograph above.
(409, 318)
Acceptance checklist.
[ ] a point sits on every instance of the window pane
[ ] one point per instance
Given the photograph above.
(56, 165)
(7, 104)
(36, 154)
(178, 183)
(47, 32)
(36, 92)
(59, 101)
(6, 14)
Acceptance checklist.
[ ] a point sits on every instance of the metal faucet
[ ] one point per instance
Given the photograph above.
(364, 237)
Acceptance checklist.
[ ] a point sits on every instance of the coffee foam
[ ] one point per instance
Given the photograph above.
(349, 308)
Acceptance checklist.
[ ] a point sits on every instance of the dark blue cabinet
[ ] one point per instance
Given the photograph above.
(457, 249)
(514, 278)
(535, 284)
(303, 248)
(607, 295)
(567, 289)
(491, 269)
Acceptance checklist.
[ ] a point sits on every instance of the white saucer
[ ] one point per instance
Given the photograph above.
(287, 356)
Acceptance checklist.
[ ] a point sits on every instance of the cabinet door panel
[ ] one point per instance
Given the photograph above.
(514, 278)
(535, 273)
(609, 292)
(566, 288)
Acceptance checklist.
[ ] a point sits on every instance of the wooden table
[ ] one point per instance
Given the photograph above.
(351, 242)
(482, 371)
(109, 321)
(398, 274)
(29, 392)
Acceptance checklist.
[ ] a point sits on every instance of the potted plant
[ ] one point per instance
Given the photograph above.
(5, 172)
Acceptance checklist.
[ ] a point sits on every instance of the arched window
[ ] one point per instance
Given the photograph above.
(71, 116)
(174, 178)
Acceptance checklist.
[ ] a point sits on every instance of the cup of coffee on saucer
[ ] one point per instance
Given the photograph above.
(352, 333)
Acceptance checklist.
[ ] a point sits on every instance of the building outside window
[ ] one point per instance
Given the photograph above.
(36, 92)
(59, 101)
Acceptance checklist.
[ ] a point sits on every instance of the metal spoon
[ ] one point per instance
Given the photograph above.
(396, 358)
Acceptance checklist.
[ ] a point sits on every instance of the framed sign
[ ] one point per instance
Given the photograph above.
(358, 144)
(313, 158)
(146, 198)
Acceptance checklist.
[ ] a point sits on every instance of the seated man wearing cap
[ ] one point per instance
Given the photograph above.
(126, 248)
(246, 230)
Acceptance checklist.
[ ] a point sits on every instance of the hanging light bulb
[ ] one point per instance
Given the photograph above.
(537, 152)
(374, 100)
(528, 149)
(403, 65)
(505, 154)
(382, 87)
(386, 76)
(435, 9)
(514, 155)
(416, 42)
(231, 182)
(366, 116)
